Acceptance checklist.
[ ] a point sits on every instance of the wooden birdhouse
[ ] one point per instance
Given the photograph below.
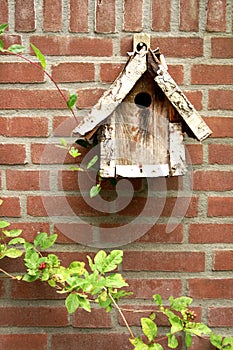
(139, 121)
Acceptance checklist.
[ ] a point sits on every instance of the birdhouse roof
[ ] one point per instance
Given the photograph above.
(143, 59)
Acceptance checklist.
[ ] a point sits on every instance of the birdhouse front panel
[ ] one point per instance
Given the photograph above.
(138, 140)
(139, 119)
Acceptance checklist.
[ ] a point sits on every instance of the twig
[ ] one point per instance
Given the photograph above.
(7, 274)
(122, 315)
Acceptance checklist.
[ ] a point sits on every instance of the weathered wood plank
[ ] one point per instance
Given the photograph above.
(107, 151)
(176, 150)
(186, 110)
(132, 72)
(140, 38)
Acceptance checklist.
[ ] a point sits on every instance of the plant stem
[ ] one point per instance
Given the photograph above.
(7, 274)
(37, 65)
(122, 315)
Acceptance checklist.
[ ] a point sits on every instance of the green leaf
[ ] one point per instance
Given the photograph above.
(63, 143)
(115, 281)
(99, 260)
(180, 303)
(95, 190)
(4, 224)
(3, 27)
(157, 299)
(72, 101)
(155, 346)
(227, 343)
(199, 329)
(12, 233)
(44, 241)
(16, 48)
(149, 328)
(13, 253)
(172, 341)
(74, 152)
(176, 324)
(39, 56)
(72, 303)
(216, 340)
(138, 344)
(30, 278)
(1, 46)
(84, 303)
(188, 340)
(92, 161)
(90, 262)
(112, 260)
(17, 240)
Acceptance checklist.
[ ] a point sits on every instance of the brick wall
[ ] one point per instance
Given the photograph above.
(86, 46)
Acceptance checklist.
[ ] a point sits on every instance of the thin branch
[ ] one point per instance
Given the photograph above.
(122, 315)
(8, 275)
(37, 65)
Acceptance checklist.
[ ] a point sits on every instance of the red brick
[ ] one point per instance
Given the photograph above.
(212, 74)
(170, 47)
(78, 16)
(179, 47)
(161, 206)
(110, 71)
(31, 99)
(189, 15)
(27, 180)
(161, 15)
(10, 207)
(90, 341)
(33, 291)
(201, 343)
(220, 154)
(145, 288)
(211, 233)
(220, 99)
(52, 15)
(97, 318)
(30, 229)
(9, 40)
(222, 47)
(164, 261)
(24, 16)
(158, 234)
(68, 180)
(221, 126)
(50, 154)
(73, 72)
(20, 73)
(63, 126)
(195, 97)
(17, 341)
(105, 16)
(12, 154)
(223, 260)
(220, 316)
(2, 289)
(133, 15)
(194, 153)
(219, 288)
(216, 16)
(62, 206)
(213, 180)
(73, 46)
(220, 206)
(4, 11)
(41, 316)
(177, 73)
(88, 97)
(74, 232)
(24, 126)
